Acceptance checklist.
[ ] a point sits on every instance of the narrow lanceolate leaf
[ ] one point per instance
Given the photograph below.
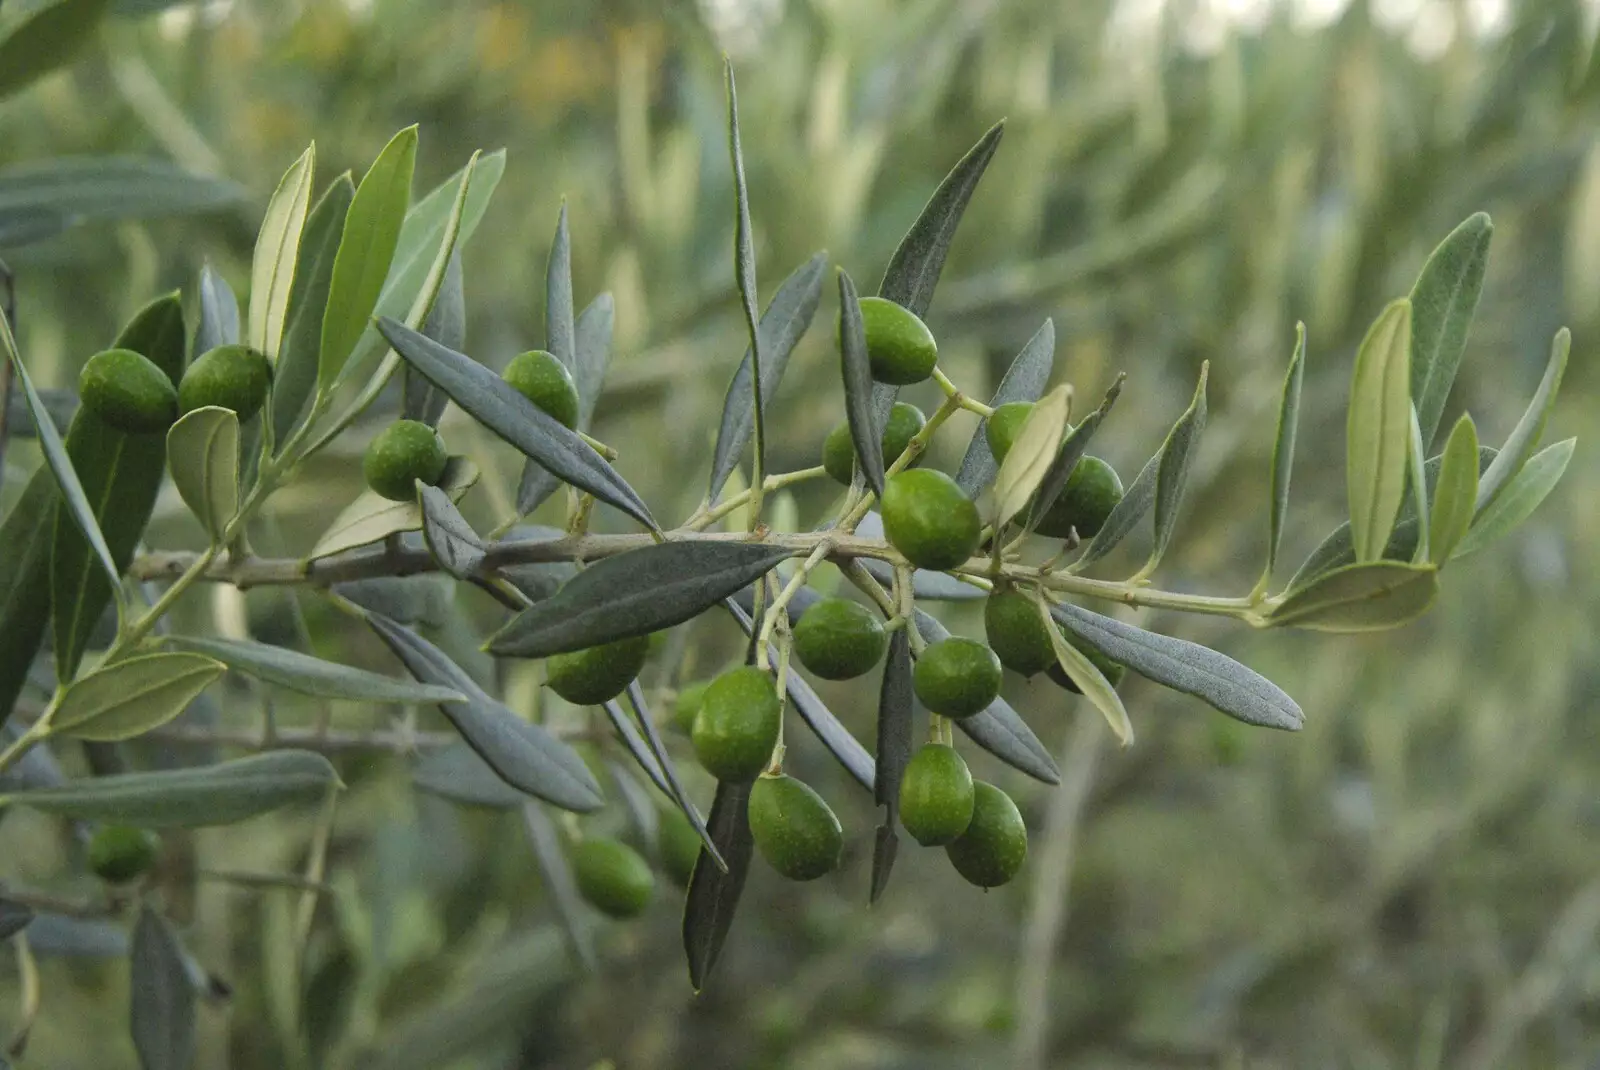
(502, 409)
(658, 749)
(1090, 680)
(1456, 492)
(559, 882)
(744, 267)
(635, 593)
(635, 745)
(295, 377)
(1378, 430)
(219, 313)
(131, 697)
(560, 330)
(451, 540)
(713, 893)
(1524, 438)
(1125, 515)
(1024, 381)
(1416, 473)
(894, 751)
(162, 995)
(277, 249)
(25, 583)
(372, 517)
(311, 676)
(1075, 445)
(1195, 670)
(525, 755)
(1442, 305)
(1364, 597)
(14, 917)
(782, 326)
(49, 37)
(203, 457)
(641, 808)
(914, 269)
(191, 798)
(366, 249)
(1283, 450)
(43, 198)
(865, 433)
(589, 373)
(447, 325)
(1520, 498)
(1035, 450)
(1172, 472)
(458, 774)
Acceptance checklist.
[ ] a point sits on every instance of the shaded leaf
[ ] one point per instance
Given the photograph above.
(195, 797)
(744, 267)
(1457, 491)
(1172, 473)
(311, 676)
(1367, 596)
(635, 745)
(133, 696)
(1072, 450)
(447, 325)
(865, 432)
(372, 517)
(1443, 302)
(161, 1017)
(1283, 443)
(277, 249)
(25, 583)
(1520, 497)
(1125, 515)
(45, 197)
(658, 749)
(458, 774)
(1036, 448)
(219, 313)
(295, 376)
(56, 935)
(203, 457)
(1378, 430)
(642, 812)
(14, 917)
(559, 882)
(635, 593)
(560, 331)
(1524, 438)
(713, 893)
(1025, 380)
(894, 751)
(451, 540)
(1416, 476)
(422, 599)
(1089, 679)
(49, 37)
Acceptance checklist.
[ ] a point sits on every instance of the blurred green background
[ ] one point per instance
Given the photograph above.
(1411, 881)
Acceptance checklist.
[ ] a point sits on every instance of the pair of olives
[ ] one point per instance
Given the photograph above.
(131, 394)
(1018, 638)
(1092, 489)
(977, 824)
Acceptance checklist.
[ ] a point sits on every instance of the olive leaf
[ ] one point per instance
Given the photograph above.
(14, 917)
(366, 249)
(1378, 430)
(1520, 444)
(161, 994)
(1172, 472)
(658, 749)
(559, 881)
(25, 583)
(372, 517)
(1416, 477)
(560, 332)
(502, 409)
(1520, 497)
(56, 935)
(295, 376)
(447, 325)
(277, 249)
(1183, 666)
(635, 745)
(203, 456)
(1454, 498)
(589, 373)
(713, 897)
(642, 812)
(195, 797)
(1366, 596)
(1027, 463)
(1283, 443)
(458, 774)
(894, 751)
(451, 540)
(1443, 302)
(1025, 380)
(1088, 678)
(1075, 445)
(309, 675)
(130, 697)
(865, 433)
(1125, 515)
(48, 38)
(219, 313)
(43, 198)
(635, 593)
(525, 755)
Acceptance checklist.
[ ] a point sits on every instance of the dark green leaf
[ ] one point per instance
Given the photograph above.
(312, 676)
(1283, 448)
(49, 37)
(560, 332)
(744, 268)
(525, 755)
(25, 583)
(635, 745)
(58, 936)
(161, 1016)
(45, 197)
(559, 882)
(14, 917)
(451, 540)
(447, 325)
(914, 269)
(1378, 430)
(865, 433)
(1072, 451)
(1125, 516)
(593, 357)
(1172, 474)
(1364, 597)
(894, 751)
(635, 593)
(1520, 497)
(1524, 438)
(714, 894)
(458, 774)
(1025, 380)
(191, 798)
(658, 749)
(219, 314)
(422, 599)
(132, 696)
(1443, 302)
(502, 409)
(295, 376)
(1195, 670)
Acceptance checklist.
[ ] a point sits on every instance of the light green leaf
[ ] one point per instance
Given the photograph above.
(366, 250)
(1520, 498)
(1378, 430)
(1365, 597)
(1030, 456)
(131, 697)
(203, 457)
(1525, 436)
(295, 377)
(1417, 475)
(1090, 680)
(312, 676)
(1453, 498)
(277, 249)
(371, 518)
(1443, 302)
(48, 38)
(1283, 450)
(1173, 471)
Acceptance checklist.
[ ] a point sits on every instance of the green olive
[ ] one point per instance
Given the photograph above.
(687, 705)
(839, 450)
(230, 376)
(737, 725)
(542, 379)
(1002, 426)
(900, 348)
(127, 391)
(598, 674)
(1016, 633)
(957, 677)
(793, 828)
(612, 877)
(929, 519)
(994, 846)
(121, 853)
(401, 454)
(1092, 491)
(936, 795)
(839, 639)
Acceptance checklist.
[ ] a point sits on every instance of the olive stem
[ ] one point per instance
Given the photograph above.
(914, 449)
(599, 447)
(905, 594)
(954, 393)
(706, 515)
(790, 589)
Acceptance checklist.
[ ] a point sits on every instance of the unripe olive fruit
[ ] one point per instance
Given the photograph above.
(687, 705)
(936, 795)
(1016, 633)
(128, 392)
(542, 379)
(957, 677)
(929, 519)
(900, 348)
(793, 828)
(679, 846)
(120, 853)
(598, 674)
(613, 877)
(839, 450)
(400, 454)
(995, 844)
(1113, 671)
(839, 639)
(1002, 426)
(1092, 491)
(230, 376)
(737, 726)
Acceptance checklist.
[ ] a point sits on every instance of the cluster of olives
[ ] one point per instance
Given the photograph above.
(130, 394)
